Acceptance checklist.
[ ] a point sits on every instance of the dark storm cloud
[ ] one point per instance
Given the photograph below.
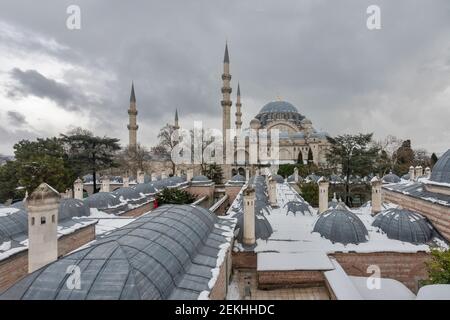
(31, 82)
(16, 118)
(319, 55)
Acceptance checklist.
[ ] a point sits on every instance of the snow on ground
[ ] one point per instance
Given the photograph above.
(294, 233)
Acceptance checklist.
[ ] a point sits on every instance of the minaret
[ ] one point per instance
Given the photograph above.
(132, 113)
(226, 92)
(176, 120)
(238, 109)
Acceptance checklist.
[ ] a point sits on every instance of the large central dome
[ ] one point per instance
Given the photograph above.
(278, 106)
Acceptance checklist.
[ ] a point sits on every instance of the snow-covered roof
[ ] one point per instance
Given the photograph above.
(441, 170)
(417, 190)
(174, 253)
(294, 233)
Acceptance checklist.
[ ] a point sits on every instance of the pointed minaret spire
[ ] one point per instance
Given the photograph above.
(226, 100)
(238, 108)
(132, 96)
(226, 58)
(176, 119)
(132, 115)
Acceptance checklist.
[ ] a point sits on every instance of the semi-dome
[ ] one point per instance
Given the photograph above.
(278, 106)
(341, 225)
(391, 178)
(441, 170)
(404, 225)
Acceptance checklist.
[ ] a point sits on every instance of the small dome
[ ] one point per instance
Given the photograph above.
(255, 124)
(404, 225)
(341, 225)
(312, 178)
(306, 121)
(128, 193)
(102, 200)
(391, 178)
(278, 178)
(405, 176)
(69, 208)
(237, 178)
(145, 188)
(200, 178)
(441, 170)
(278, 106)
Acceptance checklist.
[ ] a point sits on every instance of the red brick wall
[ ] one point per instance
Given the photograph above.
(408, 268)
(136, 212)
(201, 191)
(438, 215)
(70, 242)
(244, 260)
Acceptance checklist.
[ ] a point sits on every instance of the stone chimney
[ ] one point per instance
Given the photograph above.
(417, 173)
(249, 216)
(106, 184)
(78, 189)
(411, 173)
(323, 194)
(189, 174)
(126, 182)
(296, 175)
(153, 176)
(376, 195)
(164, 174)
(42, 206)
(140, 176)
(273, 192)
(247, 174)
(420, 172)
(428, 172)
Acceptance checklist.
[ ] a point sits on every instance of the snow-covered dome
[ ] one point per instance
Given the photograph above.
(404, 225)
(69, 208)
(341, 225)
(102, 200)
(441, 170)
(391, 178)
(128, 193)
(200, 178)
(237, 178)
(145, 188)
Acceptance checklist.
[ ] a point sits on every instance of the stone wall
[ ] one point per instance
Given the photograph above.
(438, 215)
(136, 212)
(201, 191)
(15, 267)
(289, 279)
(244, 260)
(408, 268)
(220, 289)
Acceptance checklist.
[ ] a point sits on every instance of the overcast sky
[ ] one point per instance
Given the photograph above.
(318, 55)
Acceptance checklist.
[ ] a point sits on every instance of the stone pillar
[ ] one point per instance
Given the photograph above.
(153, 176)
(273, 193)
(323, 194)
(126, 182)
(411, 173)
(428, 172)
(106, 184)
(140, 176)
(376, 195)
(189, 174)
(249, 217)
(296, 175)
(247, 174)
(42, 206)
(78, 189)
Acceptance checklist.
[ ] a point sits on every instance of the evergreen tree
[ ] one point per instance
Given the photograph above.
(214, 172)
(89, 153)
(174, 196)
(355, 155)
(434, 159)
(439, 267)
(9, 182)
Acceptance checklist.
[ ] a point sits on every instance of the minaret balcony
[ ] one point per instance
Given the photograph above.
(132, 112)
(226, 90)
(226, 103)
(226, 76)
(131, 127)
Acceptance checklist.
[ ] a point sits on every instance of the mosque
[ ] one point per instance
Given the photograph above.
(299, 141)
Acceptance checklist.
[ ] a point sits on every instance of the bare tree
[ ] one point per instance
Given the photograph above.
(132, 159)
(167, 143)
(390, 145)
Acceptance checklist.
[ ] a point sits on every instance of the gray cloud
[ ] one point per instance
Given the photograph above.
(31, 82)
(316, 54)
(16, 118)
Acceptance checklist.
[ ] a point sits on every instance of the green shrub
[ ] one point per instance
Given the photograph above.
(310, 192)
(439, 267)
(174, 196)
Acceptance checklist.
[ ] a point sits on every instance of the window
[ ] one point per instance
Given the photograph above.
(32, 221)
(53, 218)
(42, 220)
